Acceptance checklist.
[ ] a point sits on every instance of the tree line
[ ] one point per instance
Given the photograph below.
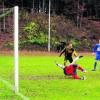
(69, 14)
(89, 8)
(75, 10)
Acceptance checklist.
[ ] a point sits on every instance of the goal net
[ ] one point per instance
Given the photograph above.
(9, 47)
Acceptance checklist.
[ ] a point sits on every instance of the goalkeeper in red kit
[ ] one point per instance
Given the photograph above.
(72, 69)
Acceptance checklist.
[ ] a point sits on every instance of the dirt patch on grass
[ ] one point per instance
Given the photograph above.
(46, 77)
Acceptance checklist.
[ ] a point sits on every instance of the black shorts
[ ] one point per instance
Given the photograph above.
(70, 59)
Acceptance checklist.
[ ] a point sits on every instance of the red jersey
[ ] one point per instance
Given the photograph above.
(71, 69)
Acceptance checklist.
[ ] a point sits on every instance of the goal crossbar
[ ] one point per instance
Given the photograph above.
(6, 13)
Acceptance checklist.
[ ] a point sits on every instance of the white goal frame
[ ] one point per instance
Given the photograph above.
(16, 54)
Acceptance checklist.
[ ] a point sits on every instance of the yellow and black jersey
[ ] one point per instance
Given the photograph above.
(68, 52)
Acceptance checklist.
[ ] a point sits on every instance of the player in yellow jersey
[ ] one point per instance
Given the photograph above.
(68, 52)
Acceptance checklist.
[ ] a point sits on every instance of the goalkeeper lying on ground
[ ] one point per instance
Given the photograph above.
(72, 69)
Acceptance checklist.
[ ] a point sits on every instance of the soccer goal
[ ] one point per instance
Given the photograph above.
(9, 39)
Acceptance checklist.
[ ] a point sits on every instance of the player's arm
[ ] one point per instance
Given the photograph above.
(62, 52)
(95, 49)
(81, 69)
(74, 53)
(75, 59)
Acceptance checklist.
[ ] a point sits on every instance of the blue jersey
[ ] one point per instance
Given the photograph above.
(97, 51)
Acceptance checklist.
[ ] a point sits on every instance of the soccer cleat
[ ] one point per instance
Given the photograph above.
(56, 64)
(83, 78)
(84, 71)
(80, 56)
(93, 69)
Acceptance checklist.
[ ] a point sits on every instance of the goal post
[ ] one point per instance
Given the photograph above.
(16, 63)
(49, 24)
(11, 23)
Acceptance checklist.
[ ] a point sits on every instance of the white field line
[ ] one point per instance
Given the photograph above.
(12, 88)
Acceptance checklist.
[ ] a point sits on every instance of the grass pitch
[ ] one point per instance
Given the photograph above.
(40, 79)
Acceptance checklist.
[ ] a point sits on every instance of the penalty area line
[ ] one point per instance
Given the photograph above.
(12, 88)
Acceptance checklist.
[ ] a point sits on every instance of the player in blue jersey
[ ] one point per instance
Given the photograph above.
(96, 50)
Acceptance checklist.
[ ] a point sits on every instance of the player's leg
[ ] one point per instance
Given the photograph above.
(75, 76)
(96, 60)
(95, 65)
(70, 59)
(75, 59)
(65, 61)
(61, 66)
(65, 71)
